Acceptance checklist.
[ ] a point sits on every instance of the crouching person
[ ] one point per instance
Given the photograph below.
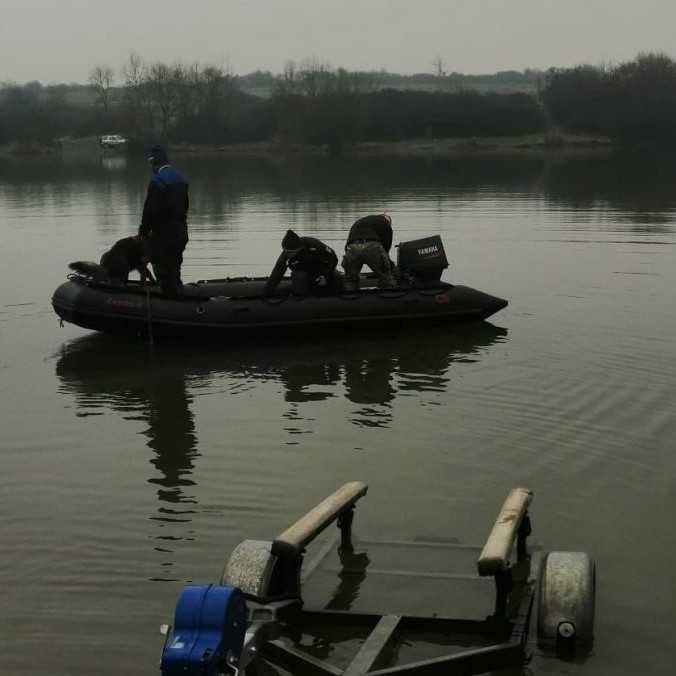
(310, 261)
(369, 243)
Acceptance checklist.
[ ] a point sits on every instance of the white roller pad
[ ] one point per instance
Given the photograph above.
(495, 554)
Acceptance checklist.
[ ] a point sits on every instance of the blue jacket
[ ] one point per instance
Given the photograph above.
(166, 206)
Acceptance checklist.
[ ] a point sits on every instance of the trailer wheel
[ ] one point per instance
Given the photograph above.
(567, 600)
(250, 568)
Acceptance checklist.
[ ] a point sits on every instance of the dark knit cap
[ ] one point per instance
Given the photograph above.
(158, 155)
(291, 241)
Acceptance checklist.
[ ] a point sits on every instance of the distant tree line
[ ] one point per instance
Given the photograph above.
(263, 83)
(308, 103)
(312, 103)
(632, 103)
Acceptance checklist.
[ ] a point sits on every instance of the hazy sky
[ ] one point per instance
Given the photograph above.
(60, 40)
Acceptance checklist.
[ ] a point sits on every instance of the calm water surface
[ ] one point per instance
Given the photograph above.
(127, 473)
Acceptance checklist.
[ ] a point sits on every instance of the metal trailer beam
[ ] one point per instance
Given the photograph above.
(297, 661)
(382, 629)
(374, 646)
(465, 663)
(507, 628)
(498, 629)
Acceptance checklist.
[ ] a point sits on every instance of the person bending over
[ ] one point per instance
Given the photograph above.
(309, 259)
(369, 242)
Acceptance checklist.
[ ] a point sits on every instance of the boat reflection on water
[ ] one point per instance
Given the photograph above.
(159, 387)
(371, 369)
(111, 377)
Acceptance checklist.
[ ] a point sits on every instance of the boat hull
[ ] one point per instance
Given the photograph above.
(236, 306)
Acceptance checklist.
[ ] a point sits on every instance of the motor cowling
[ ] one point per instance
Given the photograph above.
(422, 259)
(208, 631)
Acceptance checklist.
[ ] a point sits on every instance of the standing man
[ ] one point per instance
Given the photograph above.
(164, 221)
(369, 243)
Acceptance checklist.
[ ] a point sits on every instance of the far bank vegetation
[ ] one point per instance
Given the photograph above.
(311, 103)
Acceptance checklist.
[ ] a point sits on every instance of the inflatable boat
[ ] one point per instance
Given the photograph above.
(237, 305)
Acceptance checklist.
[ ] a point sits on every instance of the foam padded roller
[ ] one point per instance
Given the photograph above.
(495, 555)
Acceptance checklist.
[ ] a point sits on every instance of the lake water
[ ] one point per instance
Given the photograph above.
(129, 472)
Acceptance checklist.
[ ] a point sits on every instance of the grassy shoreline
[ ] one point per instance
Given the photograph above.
(529, 144)
(504, 145)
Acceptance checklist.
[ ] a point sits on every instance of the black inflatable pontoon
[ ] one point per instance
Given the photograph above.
(236, 305)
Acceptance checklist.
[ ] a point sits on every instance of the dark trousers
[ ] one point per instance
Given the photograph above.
(167, 258)
(303, 283)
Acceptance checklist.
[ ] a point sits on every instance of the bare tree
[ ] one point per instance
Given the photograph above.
(102, 78)
(439, 67)
(315, 76)
(355, 82)
(287, 82)
(163, 84)
(215, 91)
(134, 75)
(133, 71)
(290, 71)
(187, 82)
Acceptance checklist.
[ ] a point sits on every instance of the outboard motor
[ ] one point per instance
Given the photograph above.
(208, 632)
(422, 260)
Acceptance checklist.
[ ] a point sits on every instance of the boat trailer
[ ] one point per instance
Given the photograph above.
(254, 621)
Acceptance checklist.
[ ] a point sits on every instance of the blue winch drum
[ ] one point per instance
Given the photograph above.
(208, 631)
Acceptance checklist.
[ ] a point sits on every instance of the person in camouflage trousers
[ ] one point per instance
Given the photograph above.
(369, 242)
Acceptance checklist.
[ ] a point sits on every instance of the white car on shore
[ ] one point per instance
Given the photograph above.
(113, 141)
